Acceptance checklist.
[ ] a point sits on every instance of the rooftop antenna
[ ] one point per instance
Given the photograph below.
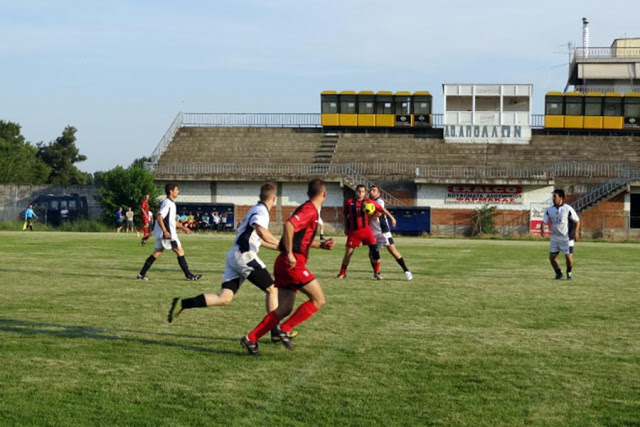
(585, 37)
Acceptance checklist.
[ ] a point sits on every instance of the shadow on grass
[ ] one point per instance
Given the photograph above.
(74, 331)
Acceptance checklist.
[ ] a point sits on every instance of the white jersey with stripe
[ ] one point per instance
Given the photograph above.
(563, 219)
(380, 224)
(168, 212)
(247, 239)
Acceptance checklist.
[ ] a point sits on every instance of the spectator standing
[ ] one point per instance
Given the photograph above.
(129, 214)
(119, 219)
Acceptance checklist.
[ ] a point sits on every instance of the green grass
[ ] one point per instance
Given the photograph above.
(482, 336)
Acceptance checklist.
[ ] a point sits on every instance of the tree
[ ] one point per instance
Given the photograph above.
(140, 162)
(483, 220)
(124, 187)
(18, 158)
(61, 155)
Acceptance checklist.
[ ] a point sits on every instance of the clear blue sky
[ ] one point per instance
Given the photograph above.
(120, 71)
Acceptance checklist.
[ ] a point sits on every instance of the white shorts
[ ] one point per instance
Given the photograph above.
(237, 265)
(556, 246)
(167, 244)
(384, 239)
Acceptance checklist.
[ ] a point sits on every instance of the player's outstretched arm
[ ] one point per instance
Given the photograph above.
(268, 240)
(327, 244)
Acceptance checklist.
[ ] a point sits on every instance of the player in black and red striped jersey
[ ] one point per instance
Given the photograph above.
(291, 273)
(356, 224)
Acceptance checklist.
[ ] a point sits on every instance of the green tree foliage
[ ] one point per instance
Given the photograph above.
(483, 220)
(18, 158)
(125, 187)
(61, 156)
(139, 162)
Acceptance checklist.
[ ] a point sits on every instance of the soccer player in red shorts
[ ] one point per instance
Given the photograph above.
(144, 213)
(356, 226)
(291, 273)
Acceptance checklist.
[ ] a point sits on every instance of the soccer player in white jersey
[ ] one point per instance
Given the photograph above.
(565, 228)
(381, 231)
(242, 262)
(166, 235)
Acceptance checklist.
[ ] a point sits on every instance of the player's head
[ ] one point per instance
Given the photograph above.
(30, 206)
(267, 193)
(374, 191)
(361, 191)
(146, 197)
(317, 188)
(558, 196)
(171, 190)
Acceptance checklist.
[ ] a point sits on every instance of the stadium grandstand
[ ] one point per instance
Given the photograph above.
(485, 148)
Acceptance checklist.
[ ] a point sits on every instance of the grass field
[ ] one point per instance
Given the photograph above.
(482, 336)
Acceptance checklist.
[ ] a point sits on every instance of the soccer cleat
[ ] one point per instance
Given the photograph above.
(141, 277)
(408, 276)
(559, 276)
(143, 242)
(569, 276)
(175, 310)
(194, 277)
(341, 276)
(377, 276)
(251, 347)
(322, 238)
(284, 337)
(275, 334)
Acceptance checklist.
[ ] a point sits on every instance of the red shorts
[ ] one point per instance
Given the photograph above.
(362, 235)
(291, 278)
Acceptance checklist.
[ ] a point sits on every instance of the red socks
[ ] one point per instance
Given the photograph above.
(268, 323)
(303, 312)
(376, 267)
(343, 270)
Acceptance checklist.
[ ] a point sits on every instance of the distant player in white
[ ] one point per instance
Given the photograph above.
(166, 235)
(242, 262)
(565, 228)
(381, 231)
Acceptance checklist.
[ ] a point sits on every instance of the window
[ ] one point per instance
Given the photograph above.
(632, 109)
(574, 108)
(365, 107)
(422, 107)
(554, 106)
(402, 107)
(383, 107)
(613, 107)
(329, 107)
(347, 107)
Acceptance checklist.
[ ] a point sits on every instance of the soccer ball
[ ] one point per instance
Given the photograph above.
(369, 208)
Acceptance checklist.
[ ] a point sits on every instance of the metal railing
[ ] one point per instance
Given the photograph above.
(281, 120)
(166, 138)
(605, 89)
(606, 189)
(359, 170)
(606, 53)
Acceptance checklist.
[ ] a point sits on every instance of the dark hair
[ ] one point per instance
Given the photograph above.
(374, 186)
(559, 193)
(169, 186)
(360, 186)
(266, 192)
(316, 186)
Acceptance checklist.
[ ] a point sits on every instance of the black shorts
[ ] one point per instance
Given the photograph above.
(259, 276)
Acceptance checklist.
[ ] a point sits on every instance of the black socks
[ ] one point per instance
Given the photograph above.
(195, 302)
(402, 264)
(147, 265)
(184, 266)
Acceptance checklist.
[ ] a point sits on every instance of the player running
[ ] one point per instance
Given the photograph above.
(144, 214)
(291, 273)
(242, 262)
(356, 224)
(166, 235)
(382, 233)
(565, 227)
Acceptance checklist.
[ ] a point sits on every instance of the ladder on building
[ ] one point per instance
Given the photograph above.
(606, 191)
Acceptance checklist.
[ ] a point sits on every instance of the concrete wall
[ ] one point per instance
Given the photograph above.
(15, 198)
